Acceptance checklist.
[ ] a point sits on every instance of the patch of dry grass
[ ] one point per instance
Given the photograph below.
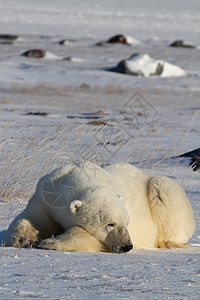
(29, 152)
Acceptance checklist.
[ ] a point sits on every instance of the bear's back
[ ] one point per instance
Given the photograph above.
(66, 183)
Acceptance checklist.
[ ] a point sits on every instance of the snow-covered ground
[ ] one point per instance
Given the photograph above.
(67, 107)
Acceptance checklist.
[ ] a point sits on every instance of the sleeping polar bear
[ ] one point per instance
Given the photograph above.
(87, 208)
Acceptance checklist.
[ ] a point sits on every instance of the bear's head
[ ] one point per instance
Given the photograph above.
(101, 212)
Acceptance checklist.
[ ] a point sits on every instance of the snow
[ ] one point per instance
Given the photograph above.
(144, 274)
(132, 41)
(49, 55)
(45, 107)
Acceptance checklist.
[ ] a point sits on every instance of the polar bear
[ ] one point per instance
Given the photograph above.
(87, 208)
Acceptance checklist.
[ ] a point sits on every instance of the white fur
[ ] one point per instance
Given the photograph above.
(89, 208)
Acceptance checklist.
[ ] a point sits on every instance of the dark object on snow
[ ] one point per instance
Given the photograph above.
(10, 37)
(63, 42)
(115, 39)
(118, 39)
(42, 114)
(34, 53)
(195, 158)
(180, 43)
(158, 70)
(123, 68)
(7, 39)
(67, 58)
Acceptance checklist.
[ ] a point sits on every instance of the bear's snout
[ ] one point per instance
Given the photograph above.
(118, 240)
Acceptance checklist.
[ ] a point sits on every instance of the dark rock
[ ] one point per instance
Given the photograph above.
(120, 68)
(144, 65)
(191, 153)
(7, 39)
(118, 39)
(10, 37)
(181, 44)
(34, 53)
(63, 42)
(124, 69)
(67, 58)
(158, 71)
(195, 158)
(42, 114)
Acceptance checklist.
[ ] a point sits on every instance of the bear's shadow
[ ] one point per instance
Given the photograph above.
(2, 235)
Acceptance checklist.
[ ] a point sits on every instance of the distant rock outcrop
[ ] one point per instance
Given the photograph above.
(7, 38)
(66, 41)
(120, 39)
(34, 53)
(195, 158)
(39, 53)
(10, 37)
(181, 44)
(144, 65)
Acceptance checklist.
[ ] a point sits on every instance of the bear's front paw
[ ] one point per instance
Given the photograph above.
(25, 235)
(48, 244)
(25, 242)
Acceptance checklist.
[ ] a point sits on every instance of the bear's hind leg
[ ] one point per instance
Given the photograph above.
(74, 239)
(171, 212)
(24, 235)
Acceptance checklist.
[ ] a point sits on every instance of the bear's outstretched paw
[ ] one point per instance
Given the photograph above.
(48, 244)
(24, 242)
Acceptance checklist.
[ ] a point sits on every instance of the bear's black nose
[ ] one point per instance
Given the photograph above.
(127, 248)
(122, 248)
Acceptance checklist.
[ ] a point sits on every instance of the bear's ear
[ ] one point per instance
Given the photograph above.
(75, 205)
(122, 198)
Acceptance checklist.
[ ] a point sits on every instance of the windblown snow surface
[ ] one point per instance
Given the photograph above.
(68, 107)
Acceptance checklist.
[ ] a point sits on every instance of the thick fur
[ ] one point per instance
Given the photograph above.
(74, 239)
(92, 209)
